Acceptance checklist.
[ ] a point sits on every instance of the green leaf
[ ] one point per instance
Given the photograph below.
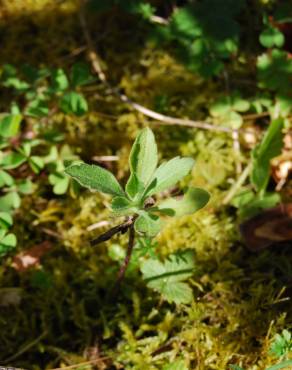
(143, 156)
(168, 174)
(80, 74)
(240, 105)
(257, 203)
(221, 107)
(25, 186)
(282, 365)
(74, 103)
(9, 201)
(282, 344)
(60, 183)
(134, 186)
(167, 277)
(36, 163)
(95, 178)
(5, 179)
(16, 83)
(176, 365)
(7, 242)
(148, 224)
(275, 71)
(193, 200)
(233, 119)
(37, 108)
(5, 220)
(12, 160)
(123, 206)
(59, 80)
(9, 125)
(271, 36)
(270, 147)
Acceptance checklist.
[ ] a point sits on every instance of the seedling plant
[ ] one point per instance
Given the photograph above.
(138, 203)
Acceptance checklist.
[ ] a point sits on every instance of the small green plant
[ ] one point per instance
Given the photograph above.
(282, 344)
(137, 201)
(252, 201)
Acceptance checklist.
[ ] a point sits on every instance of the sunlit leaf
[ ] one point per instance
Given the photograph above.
(95, 178)
(143, 156)
(9, 125)
(193, 200)
(169, 174)
(269, 148)
(168, 277)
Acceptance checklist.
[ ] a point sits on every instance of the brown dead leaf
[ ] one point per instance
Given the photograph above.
(31, 257)
(271, 226)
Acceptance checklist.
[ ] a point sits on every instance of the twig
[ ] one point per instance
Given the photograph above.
(237, 184)
(122, 228)
(92, 362)
(25, 348)
(167, 120)
(97, 225)
(105, 158)
(159, 20)
(253, 116)
(236, 147)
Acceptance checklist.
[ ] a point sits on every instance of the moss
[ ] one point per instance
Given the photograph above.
(239, 299)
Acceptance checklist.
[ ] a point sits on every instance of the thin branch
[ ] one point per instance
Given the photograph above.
(97, 225)
(159, 20)
(122, 228)
(25, 348)
(237, 184)
(105, 158)
(87, 363)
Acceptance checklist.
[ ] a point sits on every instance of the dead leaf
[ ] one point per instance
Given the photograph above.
(31, 257)
(271, 226)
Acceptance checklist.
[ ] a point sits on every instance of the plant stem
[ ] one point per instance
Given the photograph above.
(127, 259)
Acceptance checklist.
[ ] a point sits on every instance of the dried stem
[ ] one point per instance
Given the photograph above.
(126, 261)
(236, 186)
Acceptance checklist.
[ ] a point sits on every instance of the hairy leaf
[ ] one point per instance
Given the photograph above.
(193, 200)
(147, 224)
(169, 173)
(167, 277)
(122, 206)
(95, 178)
(143, 156)
(134, 186)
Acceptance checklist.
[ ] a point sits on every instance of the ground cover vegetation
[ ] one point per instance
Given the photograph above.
(145, 177)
